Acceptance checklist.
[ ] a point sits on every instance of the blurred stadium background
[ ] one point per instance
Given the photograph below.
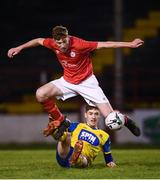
(129, 77)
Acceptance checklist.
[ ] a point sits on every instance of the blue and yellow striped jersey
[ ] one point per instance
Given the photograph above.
(94, 141)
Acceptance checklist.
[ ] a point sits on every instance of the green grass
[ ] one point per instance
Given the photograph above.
(41, 164)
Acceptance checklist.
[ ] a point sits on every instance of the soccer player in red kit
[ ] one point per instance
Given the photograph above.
(74, 54)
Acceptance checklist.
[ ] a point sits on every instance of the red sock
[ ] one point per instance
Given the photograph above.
(50, 106)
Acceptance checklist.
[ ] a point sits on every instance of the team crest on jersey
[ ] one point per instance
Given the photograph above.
(89, 137)
(72, 54)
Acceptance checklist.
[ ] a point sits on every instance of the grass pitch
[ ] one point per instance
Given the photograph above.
(37, 163)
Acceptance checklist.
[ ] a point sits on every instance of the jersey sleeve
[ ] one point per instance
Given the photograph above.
(87, 46)
(49, 43)
(107, 152)
(72, 126)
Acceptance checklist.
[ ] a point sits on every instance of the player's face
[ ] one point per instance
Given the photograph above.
(63, 44)
(92, 117)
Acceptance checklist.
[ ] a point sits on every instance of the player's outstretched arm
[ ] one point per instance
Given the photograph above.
(33, 43)
(113, 44)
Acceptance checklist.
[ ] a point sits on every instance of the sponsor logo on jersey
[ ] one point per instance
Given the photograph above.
(66, 64)
(89, 137)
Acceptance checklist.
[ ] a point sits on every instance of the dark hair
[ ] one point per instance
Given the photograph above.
(88, 107)
(59, 32)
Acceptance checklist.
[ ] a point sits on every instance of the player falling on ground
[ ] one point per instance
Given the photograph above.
(80, 145)
(74, 54)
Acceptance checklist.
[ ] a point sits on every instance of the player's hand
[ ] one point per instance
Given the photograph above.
(111, 164)
(136, 43)
(13, 51)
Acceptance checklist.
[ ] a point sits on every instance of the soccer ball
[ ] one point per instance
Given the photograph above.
(115, 120)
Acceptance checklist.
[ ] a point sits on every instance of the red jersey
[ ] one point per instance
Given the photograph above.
(76, 62)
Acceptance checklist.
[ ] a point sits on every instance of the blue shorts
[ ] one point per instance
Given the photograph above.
(64, 162)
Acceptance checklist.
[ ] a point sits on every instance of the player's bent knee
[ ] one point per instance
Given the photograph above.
(40, 95)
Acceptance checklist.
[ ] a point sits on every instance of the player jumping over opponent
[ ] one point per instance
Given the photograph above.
(74, 54)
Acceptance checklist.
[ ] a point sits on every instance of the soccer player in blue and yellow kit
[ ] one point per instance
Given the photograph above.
(80, 145)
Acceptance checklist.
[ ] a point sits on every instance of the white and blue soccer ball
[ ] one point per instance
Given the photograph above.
(115, 120)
